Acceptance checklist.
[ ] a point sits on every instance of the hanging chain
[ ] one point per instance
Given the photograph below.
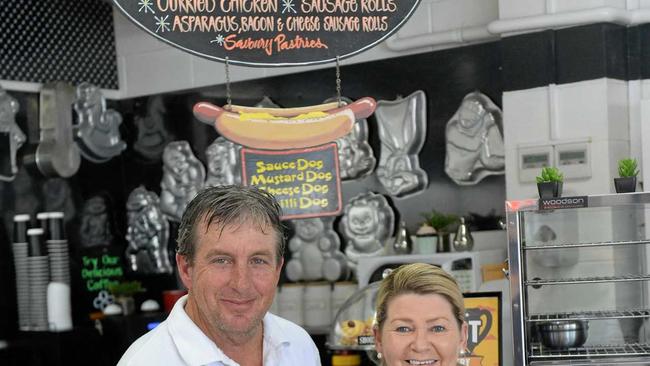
(338, 82)
(228, 96)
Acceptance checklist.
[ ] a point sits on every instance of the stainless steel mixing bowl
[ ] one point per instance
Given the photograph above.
(563, 333)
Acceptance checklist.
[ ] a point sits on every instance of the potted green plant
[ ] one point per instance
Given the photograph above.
(627, 171)
(124, 292)
(549, 182)
(441, 222)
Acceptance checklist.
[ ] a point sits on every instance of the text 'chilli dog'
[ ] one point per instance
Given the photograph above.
(284, 128)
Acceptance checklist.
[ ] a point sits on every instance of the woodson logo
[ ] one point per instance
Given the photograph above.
(564, 202)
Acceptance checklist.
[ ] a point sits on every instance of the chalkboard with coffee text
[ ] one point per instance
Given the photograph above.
(305, 182)
(99, 268)
(270, 32)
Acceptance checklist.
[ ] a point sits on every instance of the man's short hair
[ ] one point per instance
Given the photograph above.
(230, 205)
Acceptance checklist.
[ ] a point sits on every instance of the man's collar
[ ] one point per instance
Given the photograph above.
(197, 349)
(274, 333)
(194, 347)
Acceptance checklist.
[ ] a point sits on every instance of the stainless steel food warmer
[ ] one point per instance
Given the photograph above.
(581, 259)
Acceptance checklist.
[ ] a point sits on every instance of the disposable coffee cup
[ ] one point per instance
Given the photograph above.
(42, 218)
(36, 248)
(55, 226)
(59, 310)
(21, 222)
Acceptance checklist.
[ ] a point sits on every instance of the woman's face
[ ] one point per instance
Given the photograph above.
(420, 330)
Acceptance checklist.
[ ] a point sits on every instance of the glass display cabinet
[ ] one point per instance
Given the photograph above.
(579, 279)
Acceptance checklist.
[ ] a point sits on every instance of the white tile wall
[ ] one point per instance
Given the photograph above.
(419, 23)
(572, 5)
(509, 9)
(157, 71)
(479, 12)
(645, 148)
(526, 119)
(207, 72)
(618, 110)
(595, 109)
(447, 15)
(582, 110)
(526, 116)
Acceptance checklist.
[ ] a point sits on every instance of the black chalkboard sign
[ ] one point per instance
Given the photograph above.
(99, 269)
(270, 32)
(305, 182)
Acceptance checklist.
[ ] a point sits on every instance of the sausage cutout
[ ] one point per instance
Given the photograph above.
(284, 128)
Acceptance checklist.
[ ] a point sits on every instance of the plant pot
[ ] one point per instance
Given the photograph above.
(444, 243)
(549, 189)
(625, 185)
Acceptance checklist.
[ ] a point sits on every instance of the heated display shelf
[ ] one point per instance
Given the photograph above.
(605, 222)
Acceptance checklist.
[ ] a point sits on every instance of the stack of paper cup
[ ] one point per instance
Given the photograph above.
(19, 247)
(38, 272)
(57, 249)
(41, 219)
(59, 313)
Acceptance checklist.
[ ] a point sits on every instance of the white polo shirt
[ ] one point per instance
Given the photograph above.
(179, 341)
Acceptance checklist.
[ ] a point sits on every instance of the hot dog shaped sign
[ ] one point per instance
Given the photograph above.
(284, 128)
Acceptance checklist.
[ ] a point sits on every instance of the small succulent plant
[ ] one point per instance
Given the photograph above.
(627, 168)
(438, 220)
(550, 174)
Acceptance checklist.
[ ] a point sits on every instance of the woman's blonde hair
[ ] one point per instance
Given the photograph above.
(420, 279)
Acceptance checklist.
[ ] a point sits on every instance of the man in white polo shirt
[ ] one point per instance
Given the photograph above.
(230, 252)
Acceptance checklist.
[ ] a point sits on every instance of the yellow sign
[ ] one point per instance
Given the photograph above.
(483, 316)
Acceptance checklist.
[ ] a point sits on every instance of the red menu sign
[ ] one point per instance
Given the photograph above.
(270, 32)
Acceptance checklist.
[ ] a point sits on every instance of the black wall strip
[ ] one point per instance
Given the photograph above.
(528, 61)
(644, 50)
(575, 54)
(633, 53)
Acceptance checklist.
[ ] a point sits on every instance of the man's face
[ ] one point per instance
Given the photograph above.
(233, 278)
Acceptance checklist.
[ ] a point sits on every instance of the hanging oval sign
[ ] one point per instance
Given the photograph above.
(270, 32)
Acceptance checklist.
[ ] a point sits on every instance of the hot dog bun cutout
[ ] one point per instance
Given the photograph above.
(284, 112)
(284, 128)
